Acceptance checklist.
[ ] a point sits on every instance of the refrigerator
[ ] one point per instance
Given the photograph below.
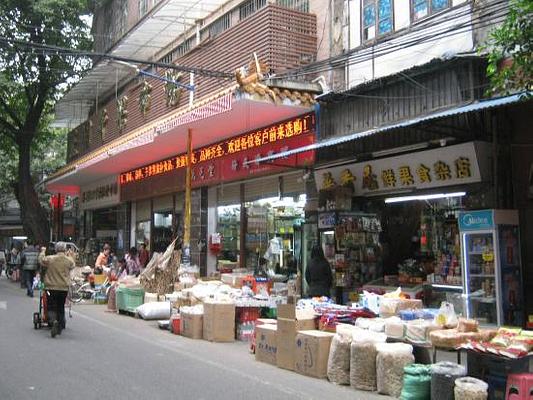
(492, 273)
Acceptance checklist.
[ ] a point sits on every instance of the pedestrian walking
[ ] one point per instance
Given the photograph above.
(56, 281)
(30, 264)
(13, 261)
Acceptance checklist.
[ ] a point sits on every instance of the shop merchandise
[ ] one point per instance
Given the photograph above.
(339, 356)
(219, 321)
(443, 376)
(266, 343)
(363, 359)
(416, 382)
(446, 316)
(505, 342)
(468, 388)
(312, 353)
(391, 360)
(155, 310)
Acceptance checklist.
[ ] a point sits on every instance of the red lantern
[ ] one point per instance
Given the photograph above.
(57, 201)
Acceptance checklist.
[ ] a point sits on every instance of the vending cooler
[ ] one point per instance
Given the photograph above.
(492, 274)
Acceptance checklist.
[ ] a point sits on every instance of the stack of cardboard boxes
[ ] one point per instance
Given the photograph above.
(290, 322)
(216, 324)
(293, 343)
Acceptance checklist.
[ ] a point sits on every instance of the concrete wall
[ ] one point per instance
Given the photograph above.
(395, 52)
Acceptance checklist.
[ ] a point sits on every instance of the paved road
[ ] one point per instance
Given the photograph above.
(108, 356)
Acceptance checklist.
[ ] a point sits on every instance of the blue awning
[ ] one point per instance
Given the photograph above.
(477, 106)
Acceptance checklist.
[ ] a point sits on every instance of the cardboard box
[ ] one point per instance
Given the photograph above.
(289, 311)
(287, 329)
(192, 325)
(312, 352)
(219, 322)
(266, 345)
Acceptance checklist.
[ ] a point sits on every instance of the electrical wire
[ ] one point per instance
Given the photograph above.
(352, 58)
(359, 55)
(417, 29)
(51, 49)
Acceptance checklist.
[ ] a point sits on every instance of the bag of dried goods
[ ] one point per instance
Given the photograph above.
(394, 328)
(388, 307)
(363, 359)
(486, 335)
(443, 376)
(468, 388)
(377, 325)
(417, 331)
(445, 338)
(363, 323)
(391, 360)
(416, 382)
(339, 358)
(467, 325)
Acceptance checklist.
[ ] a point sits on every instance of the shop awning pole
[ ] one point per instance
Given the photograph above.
(187, 217)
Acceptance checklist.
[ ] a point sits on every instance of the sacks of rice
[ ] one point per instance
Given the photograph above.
(363, 359)
(391, 360)
(339, 356)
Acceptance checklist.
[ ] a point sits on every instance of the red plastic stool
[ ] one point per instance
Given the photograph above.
(519, 387)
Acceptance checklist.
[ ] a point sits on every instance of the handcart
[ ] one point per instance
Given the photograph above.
(40, 318)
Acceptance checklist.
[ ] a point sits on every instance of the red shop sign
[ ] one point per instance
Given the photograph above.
(227, 160)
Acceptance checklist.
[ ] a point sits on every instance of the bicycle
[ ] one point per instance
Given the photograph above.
(81, 289)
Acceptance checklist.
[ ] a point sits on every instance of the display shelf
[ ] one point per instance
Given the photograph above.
(440, 286)
(482, 276)
(483, 299)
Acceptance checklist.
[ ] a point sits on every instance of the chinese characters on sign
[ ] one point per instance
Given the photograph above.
(235, 152)
(440, 167)
(99, 193)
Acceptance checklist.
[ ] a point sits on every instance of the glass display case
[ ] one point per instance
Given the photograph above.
(491, 266)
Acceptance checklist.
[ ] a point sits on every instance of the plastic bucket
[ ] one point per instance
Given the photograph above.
(176, 324)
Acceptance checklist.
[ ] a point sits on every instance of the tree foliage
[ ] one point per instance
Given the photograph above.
(31, 78)
(510, 48)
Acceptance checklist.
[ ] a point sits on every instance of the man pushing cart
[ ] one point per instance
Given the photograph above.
(56, 281)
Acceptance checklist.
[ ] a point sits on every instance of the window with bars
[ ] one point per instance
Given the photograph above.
(220, 25)
(248, 8)
(423, 8)
(378, 18)
(179, 51)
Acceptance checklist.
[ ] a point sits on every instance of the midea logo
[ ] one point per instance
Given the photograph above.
(469, 219)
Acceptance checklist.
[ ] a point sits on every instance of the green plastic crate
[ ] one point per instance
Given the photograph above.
(129, 299)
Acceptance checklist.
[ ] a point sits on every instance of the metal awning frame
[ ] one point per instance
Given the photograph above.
(477, 106)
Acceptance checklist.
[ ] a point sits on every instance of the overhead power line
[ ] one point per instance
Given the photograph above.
(492, 15)
(95, 56)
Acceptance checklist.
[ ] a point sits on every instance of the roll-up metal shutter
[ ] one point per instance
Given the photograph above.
(293, 184)
(229, 194)
(143, 210)
(261, 188)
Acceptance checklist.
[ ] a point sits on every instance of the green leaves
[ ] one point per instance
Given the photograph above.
(510, 51)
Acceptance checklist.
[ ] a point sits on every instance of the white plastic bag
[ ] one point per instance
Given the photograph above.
(446, 317)
(155, 310)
